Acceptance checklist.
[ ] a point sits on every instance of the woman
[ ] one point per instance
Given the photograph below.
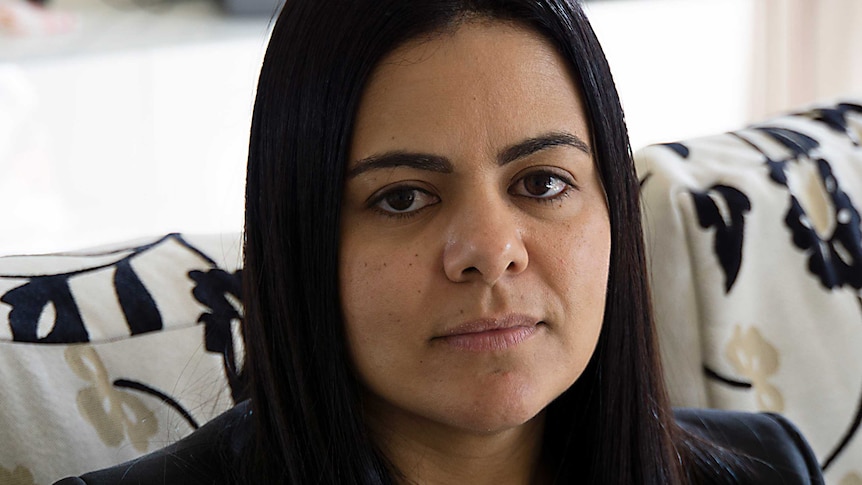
(444, 267)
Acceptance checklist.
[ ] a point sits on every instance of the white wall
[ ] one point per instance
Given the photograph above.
(682, 67)
(137, 124)
(139, 128)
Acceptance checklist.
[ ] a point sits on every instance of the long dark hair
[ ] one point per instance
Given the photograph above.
(614, 425)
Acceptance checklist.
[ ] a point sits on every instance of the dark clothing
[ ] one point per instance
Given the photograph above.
(776, 451)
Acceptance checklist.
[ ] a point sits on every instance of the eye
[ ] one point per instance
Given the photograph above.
(541, 185)
(404, 201)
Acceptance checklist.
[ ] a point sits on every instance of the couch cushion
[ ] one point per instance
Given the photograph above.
(109, 353)
(755, 260)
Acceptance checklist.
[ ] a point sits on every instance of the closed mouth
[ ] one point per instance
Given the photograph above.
(491, 334)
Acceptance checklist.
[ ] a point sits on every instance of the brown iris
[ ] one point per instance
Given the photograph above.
(539, 184)
(401, 200)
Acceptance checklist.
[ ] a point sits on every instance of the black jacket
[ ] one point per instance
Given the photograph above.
(777, 452)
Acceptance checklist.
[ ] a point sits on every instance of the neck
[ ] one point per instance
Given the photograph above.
(432, 453)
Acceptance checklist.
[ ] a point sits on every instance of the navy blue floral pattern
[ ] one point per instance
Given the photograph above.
(38, 294)
(729, 228)
(836, 258)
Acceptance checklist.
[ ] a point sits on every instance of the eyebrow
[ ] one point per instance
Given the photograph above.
(539, 143)
(436, 163)
(421, 161)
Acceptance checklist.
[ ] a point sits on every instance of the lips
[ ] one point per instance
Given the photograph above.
(491, 334)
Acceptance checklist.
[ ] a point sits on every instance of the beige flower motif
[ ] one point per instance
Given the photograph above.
(851, 478)
(19, 476)
(112, 412)
(754, 357)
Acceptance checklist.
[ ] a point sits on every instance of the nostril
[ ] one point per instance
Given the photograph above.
(471, 270)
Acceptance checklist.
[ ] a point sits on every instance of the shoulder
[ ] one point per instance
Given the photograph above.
(768, 447)
(204, 457)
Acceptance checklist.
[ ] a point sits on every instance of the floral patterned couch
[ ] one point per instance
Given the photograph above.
(110, 353)
(755, 258)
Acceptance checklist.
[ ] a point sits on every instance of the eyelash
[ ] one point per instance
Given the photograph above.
(375, 201)
(565, 192)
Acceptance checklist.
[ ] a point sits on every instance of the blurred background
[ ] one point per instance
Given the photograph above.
(129, 118)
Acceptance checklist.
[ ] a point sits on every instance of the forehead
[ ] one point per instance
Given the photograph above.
(484, 82)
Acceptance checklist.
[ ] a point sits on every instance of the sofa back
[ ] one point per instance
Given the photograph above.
(109, 353)
(755, 259)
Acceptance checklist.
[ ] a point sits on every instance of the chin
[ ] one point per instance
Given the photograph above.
(496, 423)
(492, 410)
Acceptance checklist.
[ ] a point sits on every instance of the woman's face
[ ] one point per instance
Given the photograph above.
(475, 238)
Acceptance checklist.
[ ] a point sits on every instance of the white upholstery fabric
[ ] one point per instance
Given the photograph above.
(756, 268)
(71, 407)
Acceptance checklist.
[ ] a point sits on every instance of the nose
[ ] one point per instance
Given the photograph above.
(484, 246)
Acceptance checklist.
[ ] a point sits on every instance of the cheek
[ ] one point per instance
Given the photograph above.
(580, 257)
(378, 281)
(381, 295)
(579, 273)
(367, 309)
